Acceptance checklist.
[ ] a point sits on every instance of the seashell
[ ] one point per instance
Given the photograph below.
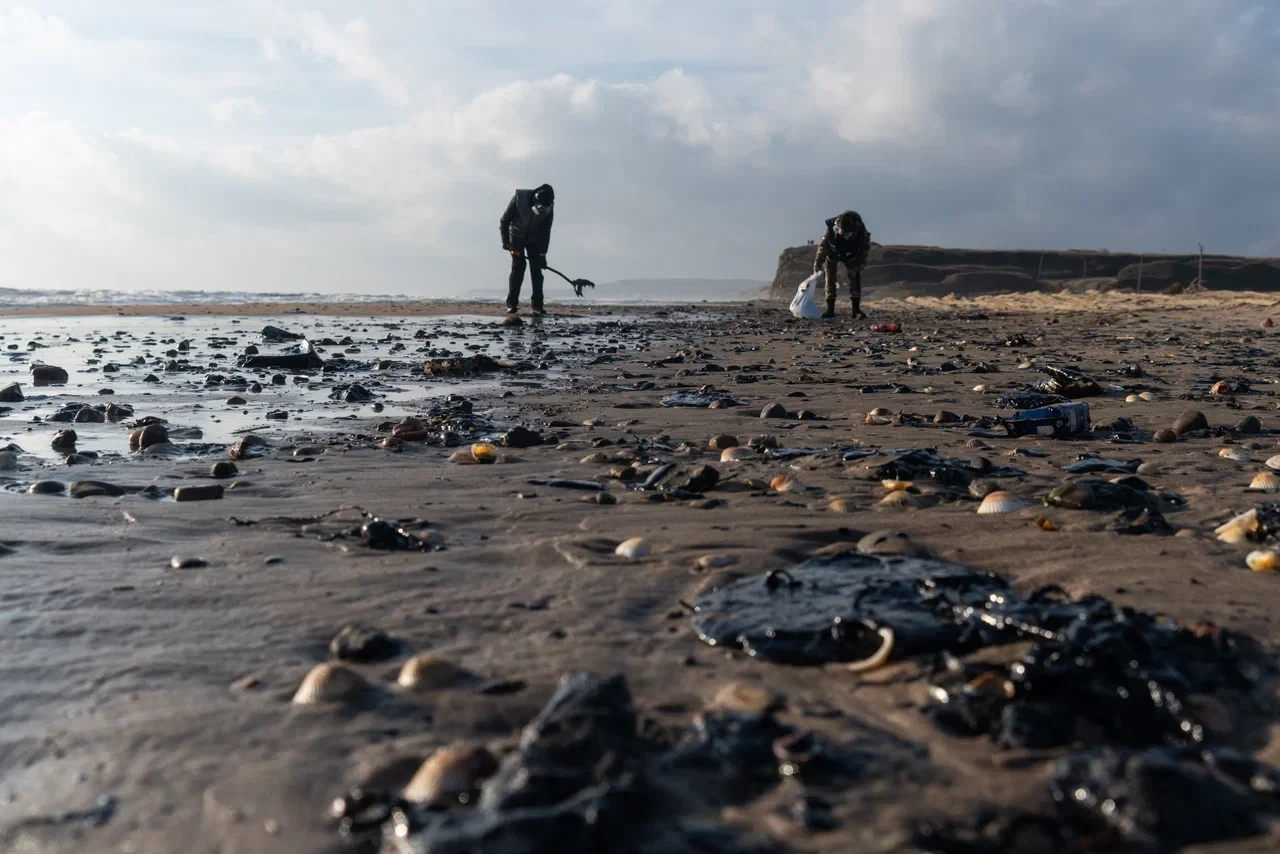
(881, 655)
(722, 441)
(1166, 436)
(429, 672)
(739, 697)
(1025, 365)
(1273, 463)
(1001, 502)
(483, 452)
(900, 499)
(391, 443)
(786, 483)
(981, 488)
(1222, 387)
(599, 458)
(571, 446)
(410, 430)
(1190, 421)
(733, 455)
(716, 561)
(1045, 524)
(880, 412)
(463, 456)
(1250, 425)
(633, 549)
(897, 485)
(877, 420)
(1265, 560)
(1265, 481)
(1149, 397)
(1237, 530)
(1133, 398)
(451, 775)
(842, 505)
(1235, 454)
(329, 682)
(889, 543)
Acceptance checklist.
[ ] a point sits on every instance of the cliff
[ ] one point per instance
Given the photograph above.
(899, 271)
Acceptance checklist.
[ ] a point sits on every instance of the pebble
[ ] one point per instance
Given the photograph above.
(429, 672)
(890, 543)
(236, 401)
(603, 498)
(633, 549)
(774, 410)
(722, 441)
(89, 488)
(741, 697)
(1189, 421)
(11, 393)
(716, 561)
(180, 562)
(209, 492)
(1249, 425)
(357, 643)
(1165, 436)
(223, 469)
(152, 434)
(47, 487)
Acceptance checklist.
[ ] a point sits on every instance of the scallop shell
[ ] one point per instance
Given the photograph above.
(483, 452)
(897, 485)
(1273, 463)
(881, 656)
(877, 420)
(1133, 398)
(1237, 530)
(427, 672)
(633, 549)
(880, 411)
(329, 682)
(451, 775)
(1263, 561)
(733, 455)
(1265, 481)
(1235, 454)
(1149, 397)
(1001, 502)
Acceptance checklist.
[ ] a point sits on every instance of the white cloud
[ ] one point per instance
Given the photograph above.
(397, 132)
(227, 110)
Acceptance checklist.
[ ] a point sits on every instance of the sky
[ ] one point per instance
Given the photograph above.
(356, 147)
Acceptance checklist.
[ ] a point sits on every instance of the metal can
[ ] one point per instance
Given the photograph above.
(1056, 421)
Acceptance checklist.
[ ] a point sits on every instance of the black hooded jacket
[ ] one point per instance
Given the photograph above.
(852, 250)
(522, 229)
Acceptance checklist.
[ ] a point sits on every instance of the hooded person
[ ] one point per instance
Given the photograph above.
(845, 240)
(526, 234)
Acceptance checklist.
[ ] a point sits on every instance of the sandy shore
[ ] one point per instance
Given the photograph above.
(168, 690)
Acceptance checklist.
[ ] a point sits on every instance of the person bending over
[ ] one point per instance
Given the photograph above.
(845, 240)
(526, 234)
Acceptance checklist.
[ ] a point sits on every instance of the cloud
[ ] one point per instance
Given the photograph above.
(395, 137)
(227, 110)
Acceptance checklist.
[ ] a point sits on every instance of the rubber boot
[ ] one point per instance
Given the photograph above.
(858, 313)
(831, 310)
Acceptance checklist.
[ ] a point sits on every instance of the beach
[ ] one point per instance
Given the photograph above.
(154, 647)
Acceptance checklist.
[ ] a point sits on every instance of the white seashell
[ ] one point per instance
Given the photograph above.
(1265, 481)
(328, 682)
(1026, 365)
(901, 499)
(786, 483)
(880, 411)
(738, 454)
(1235, 454)
(881, 656)
(427, 671)
(1001, 502)
(1133, 398)
(897, 485)
(1149, 397)
(633, 549)
(877, 420)
(1263, 561)
(1273, 463)
(980, 389)
(718, 561)
(1237, 530)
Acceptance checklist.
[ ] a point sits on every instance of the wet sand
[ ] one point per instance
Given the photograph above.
(168, 690)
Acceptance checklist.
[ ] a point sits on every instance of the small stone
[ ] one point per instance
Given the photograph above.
(1250, 425)
(277, 415)
(11, 393)
(272, 560)
(246, 683)
(47, 487)
(520, 437)
(716, 561)
(1165, 436)
(236, 401)
(1151, 467)
(774, 410)
(842, 505)
(752, 699)
(945, 417)
(722, 441)
(42, 375)
(223, 469)
(1189, 421)
(602, 498)
(90, 488)
(64, 440)
(210, 492)
(152, 434)
(279, 379)
(806, 415)
(89, 415)
(429, 672)
(180, 562)
(357, 643)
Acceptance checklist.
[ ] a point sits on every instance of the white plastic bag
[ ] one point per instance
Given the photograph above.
(803, 304)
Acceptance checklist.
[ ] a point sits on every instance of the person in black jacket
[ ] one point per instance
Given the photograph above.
(846, 240)
(526, 234)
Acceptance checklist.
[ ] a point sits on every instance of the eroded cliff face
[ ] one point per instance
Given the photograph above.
(896, 271)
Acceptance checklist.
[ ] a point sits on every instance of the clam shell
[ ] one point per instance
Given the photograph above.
(1273, 463)
(329, 682)
(877, 420)
(1001, 502)
(463, 456)
(889, 543)
(1149, 397)
(451, 775)
(731, 455)
(1265, 481)
(842, 505)
(716, 561)
(900, 499)
(1265, 560)
(1133, 398)
(786, 483)
(1222, 387)
(428, 672)
(1237, 530)
(897, 485)
(1235, 454)
(484, 452)
(881, 656)
(881, 412)
(633, 549)
(753, 699)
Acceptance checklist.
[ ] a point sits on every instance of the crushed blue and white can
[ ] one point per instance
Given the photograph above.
(1057, 421)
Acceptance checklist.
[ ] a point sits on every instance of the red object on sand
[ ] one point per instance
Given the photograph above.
(886, 327)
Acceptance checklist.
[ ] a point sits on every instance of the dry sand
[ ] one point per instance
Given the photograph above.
(168, 690)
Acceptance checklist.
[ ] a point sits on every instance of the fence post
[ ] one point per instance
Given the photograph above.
(1141, 259)
(1200, 267)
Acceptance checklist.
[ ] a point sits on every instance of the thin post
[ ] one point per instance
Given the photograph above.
(1141, 258)
(1200, 267)
(1040, 269)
